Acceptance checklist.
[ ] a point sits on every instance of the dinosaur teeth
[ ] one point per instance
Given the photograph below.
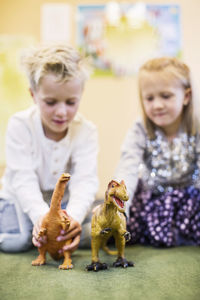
(119, 202)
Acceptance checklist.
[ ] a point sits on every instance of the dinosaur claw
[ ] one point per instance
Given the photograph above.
(66, 267)
(97, 266)
(122, 262)
(106, 230)
(127, 236)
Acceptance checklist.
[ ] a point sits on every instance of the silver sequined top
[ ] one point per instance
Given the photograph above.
(170, 164)
(162, 165)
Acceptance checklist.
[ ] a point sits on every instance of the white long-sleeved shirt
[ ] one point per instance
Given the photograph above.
(34, 164)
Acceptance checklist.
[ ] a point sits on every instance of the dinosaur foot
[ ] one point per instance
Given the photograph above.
(38, 262)
(122, 262)
(66, 265)
(97, 266)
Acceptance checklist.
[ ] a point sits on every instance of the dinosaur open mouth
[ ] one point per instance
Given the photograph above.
(119, 202)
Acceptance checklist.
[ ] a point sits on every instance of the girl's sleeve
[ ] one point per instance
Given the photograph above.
(132, 152)
(22, 175)
(83, 184)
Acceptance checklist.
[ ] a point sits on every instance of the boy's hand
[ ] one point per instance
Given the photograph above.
(38, 241)
(74, 233)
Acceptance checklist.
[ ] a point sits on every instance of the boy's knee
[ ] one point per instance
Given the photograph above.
(13, 243)
(85, 241)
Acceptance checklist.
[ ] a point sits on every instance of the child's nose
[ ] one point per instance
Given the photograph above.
(61, 109)
(158, 103)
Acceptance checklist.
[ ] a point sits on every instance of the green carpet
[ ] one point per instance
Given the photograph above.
(159, 274)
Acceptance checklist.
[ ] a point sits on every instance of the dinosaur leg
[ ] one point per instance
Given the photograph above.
(67, 263)
(96, 265)
(41, 259)
(120, 245)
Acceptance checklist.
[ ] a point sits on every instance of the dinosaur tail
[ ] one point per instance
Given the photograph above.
(108, 251)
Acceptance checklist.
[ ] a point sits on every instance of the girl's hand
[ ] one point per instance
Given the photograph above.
(74, 233)
(38, 241)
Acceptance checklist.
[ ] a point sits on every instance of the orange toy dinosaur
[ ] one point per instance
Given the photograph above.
(55, 220)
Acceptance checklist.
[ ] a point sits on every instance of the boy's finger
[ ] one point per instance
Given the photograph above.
(43, 239)
(60, 251)
(72, 234)
(69, 235)
(36, 243)
(61, 238)
(74, 245)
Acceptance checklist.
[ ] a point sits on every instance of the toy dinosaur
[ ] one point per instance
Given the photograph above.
(109, 220)
(55, 220)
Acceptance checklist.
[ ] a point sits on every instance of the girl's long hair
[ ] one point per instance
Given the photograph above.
(175, 69)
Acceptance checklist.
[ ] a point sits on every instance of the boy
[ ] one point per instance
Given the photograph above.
(44, 141)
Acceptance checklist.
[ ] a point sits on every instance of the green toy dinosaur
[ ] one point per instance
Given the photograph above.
(109, 220)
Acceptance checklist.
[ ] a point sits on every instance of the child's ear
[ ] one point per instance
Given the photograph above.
(187, 96)
(32, 94)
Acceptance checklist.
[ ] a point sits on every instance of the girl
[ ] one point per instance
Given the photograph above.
(44, 141)
(160, 158)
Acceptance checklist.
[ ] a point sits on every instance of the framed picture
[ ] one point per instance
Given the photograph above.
(120, 37)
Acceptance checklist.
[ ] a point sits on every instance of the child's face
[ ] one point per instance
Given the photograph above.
(58, 103)
(163, 100)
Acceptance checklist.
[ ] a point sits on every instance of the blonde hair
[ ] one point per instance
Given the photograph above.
(177, 70)
(62, 61)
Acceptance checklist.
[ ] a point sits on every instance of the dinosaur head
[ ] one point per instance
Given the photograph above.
(65, 177)
(116, 195)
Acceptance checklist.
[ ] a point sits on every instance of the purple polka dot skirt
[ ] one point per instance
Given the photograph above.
(167, 219)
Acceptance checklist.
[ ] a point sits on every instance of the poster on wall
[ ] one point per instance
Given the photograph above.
(120, 37)
(58, 30)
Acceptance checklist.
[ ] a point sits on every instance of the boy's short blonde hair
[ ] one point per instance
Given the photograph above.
(172, 68)
(63, 61)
